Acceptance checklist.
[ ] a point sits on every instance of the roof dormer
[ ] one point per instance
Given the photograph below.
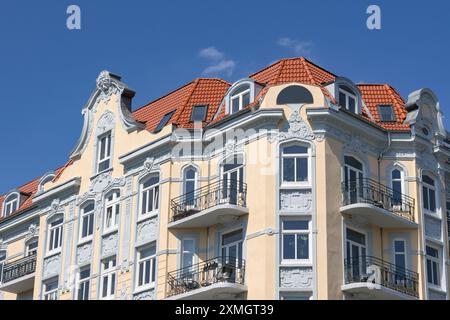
(346, 94)
(241, 94)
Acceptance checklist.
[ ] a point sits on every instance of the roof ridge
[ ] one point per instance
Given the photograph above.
(265, 68)
(186, 101)
(166, 95)
(282, 62)
(319, 67)
(303, 61)
(393, 92)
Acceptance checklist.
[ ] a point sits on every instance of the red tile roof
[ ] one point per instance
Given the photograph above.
(198, 92)
(383, 94)
(27, 192)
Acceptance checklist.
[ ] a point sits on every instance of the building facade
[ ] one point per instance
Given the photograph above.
(293, 183)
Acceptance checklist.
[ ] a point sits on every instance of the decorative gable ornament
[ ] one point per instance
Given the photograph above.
(298, 128)
(108, 86)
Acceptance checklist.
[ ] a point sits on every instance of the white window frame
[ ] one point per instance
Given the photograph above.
(115, 205)
(90, 220)
(347, 95)
(50, 294)
(85, 282)
(155, 198)
(404, 253)
(52, 230)
(240, 96)
(108, 151)
(439, 266)
(11, 205)
(140, 263)
(2, 263)
(296, 156)
(402, 185)
(194, 252)
(296, 232)
(429, 188)
(110, 274)
(28, 251)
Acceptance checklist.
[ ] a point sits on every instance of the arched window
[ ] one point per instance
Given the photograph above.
(397, 187)
(55, 234)
(87, 221)
(239, 98)
(348, 99)
(112, 211)
(189, 184)
(11, 204)
(233, 179)
(295, 164)
(429, 193)
(353, 179)
(46, 179)
(150, 195)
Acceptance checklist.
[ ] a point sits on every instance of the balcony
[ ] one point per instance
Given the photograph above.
(18, 276)
(378, 204)
(217, 202)
(372, 278)
(212, 279)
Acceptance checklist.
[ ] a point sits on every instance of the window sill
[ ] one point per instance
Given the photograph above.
(147, 216)
(84, 241)
(436, 289)
(52, 253)
(295, 263)
(432, 214)
(295, 185)
(143, 289)
(110, 231)
(101, 172)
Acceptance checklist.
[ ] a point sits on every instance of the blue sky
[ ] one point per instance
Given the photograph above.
(48, 71)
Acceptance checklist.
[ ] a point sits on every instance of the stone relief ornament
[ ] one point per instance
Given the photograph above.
(109, 244)
(105, 123)
(296, 200)
(146, 295)
(108, 86)
(296, 277)
(146, 231)
(433, 228)
(32, 232)
(84, 253)
(52, 266)
(147, 167)
(298, 128)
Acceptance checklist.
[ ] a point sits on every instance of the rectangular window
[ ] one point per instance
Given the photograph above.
(50, 289)
(400, 254)
(164, 121)
(386, 113)
(32, 248)
(87, 221)
(112, 212)
(11, 206)
(104, 152)
(296, 239)
(295, 165)
(150, 196)
(199, 113)
(146, 266)
(187, 253)
(433, 266)
(108, 278)
(55, 235)
(83, 286)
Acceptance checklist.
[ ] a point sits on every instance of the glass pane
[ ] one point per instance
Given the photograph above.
(141, 274)
(148, 252)
(147, 272)
(295, 225)
(288, 169)
(246, 99)
(105, 287)
(432, 200)
(400, 260)
(435, 273)
(289, 246)
(113, 283)
(144, 202)
(342, 99)
(235, 105)
(399, 246)
(199, 113)
(396, 174)
(239, 90)
(356, 237)
(232, 237)
(190, 174)
(351, 161)
(432, 252)
(302, 246)
(351, 104)
(426, 204)
(302, 169)
(150, 201)
(295, 150)
(150, 182)
(428, 180)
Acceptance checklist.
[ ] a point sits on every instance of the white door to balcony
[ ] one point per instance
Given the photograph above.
(355, 255)
(353, 179)
(232, 180)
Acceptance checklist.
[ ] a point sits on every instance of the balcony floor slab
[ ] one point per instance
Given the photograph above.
(365, 291)
(19, 285)
(209, 216)
(213, 292)
(378, 216)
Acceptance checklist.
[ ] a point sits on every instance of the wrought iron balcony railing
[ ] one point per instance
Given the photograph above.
(214, 194)
(371, 192)
(376, 271)
(18, 269)
(204, 274)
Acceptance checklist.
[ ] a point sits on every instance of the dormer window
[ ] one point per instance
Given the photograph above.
(104, 152)
(164, 121)
(348, 99)
(240, 98)
(386, 113)
(199, 113)
(11, 205)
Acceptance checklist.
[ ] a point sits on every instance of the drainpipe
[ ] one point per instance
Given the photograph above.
(380, 158)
